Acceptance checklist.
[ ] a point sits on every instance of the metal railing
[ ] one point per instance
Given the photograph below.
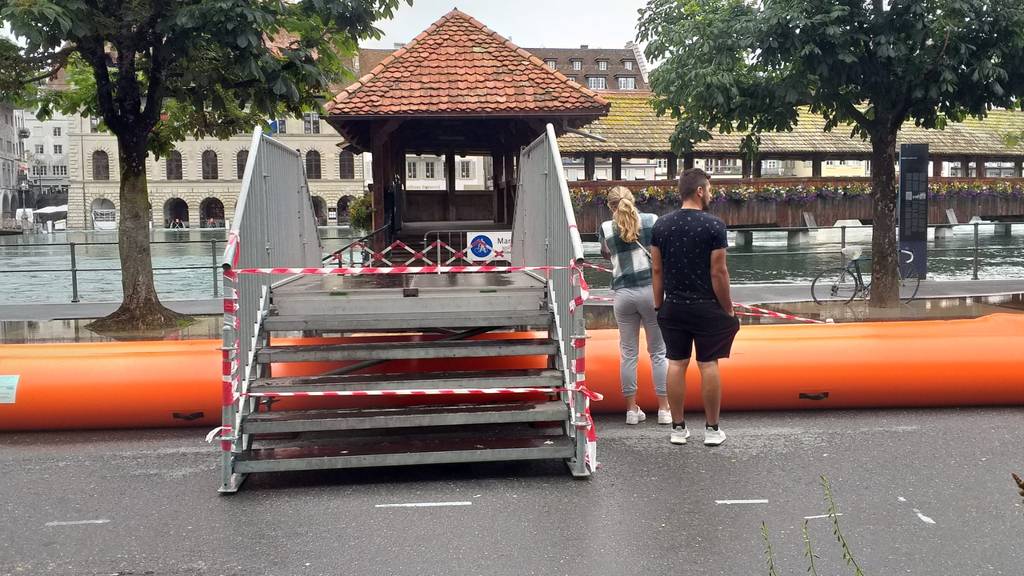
(74, 267)
(974, 250)
(274, 225)
(544, 233)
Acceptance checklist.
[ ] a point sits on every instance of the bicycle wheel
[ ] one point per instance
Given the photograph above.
(834, 285)
(909, 283)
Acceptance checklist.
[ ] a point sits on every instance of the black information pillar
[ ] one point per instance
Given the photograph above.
(913, 208)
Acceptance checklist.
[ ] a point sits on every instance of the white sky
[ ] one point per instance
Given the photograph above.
(528, 23)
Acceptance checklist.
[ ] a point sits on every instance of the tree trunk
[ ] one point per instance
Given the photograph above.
(140, 310)
(884, 280)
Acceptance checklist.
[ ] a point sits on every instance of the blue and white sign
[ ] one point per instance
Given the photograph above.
(487, 246)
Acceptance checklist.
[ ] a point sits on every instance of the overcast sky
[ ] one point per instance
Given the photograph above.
(529, 23)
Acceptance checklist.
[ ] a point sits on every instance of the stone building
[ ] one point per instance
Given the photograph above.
(197, 185)
(10, 162)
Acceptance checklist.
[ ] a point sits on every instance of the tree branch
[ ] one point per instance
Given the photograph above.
(857, 115)
(92, 50)
(155, 90)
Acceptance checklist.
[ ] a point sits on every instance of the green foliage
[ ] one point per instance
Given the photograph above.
(164, 71)
(736, 66)
(360, 213)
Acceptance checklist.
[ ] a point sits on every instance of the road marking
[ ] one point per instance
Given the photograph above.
(423, 504)
(822, 516)
(923, 518)
(77, 522)
(741, 501)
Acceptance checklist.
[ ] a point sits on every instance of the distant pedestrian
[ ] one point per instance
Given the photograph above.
(626, 241)
(691, 293)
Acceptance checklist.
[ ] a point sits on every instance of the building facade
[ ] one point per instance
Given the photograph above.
(614, 69)
(197, 185)
(46, 146)
(10, 162)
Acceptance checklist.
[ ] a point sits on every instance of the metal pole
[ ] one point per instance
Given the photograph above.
(74, 274)
(843, 231)
(975, 250)
(216, 266)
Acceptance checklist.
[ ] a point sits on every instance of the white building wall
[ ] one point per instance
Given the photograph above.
(46, 150)
(192, 188)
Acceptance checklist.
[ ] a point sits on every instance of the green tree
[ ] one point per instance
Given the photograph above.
(869, 65)
(157, 71)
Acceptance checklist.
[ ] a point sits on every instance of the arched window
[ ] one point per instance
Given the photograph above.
(174, 165)
(209, 165)
(313, 165)
(347, 165)
(100, 165)
(240, 159)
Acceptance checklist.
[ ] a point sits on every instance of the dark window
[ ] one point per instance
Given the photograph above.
(240, 159)
(100, 165)
(313, 165)
(174, 165)
(209, 165)
(311, 122)
(347, 165)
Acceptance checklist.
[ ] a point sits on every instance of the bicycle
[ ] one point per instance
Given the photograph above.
(846, 283)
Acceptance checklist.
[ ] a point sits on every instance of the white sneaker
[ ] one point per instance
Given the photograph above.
(713, 437)
(664, 416)
(635, 417)
(679, 435)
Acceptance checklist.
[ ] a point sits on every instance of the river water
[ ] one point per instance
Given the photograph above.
(770, 260)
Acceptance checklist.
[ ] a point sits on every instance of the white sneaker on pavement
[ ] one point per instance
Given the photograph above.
(679, 435)
(664, 416)
(634, 417)
(713, 437)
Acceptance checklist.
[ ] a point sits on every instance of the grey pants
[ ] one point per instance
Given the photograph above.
(633, 307)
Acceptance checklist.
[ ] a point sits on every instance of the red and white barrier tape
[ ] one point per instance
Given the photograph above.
(773, 314)
(373, 270)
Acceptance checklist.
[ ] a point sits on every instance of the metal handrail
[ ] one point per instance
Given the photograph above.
(350, 245)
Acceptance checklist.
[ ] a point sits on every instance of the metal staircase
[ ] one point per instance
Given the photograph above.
(393, 370)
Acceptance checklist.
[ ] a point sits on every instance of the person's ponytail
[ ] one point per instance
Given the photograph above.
(625, 216)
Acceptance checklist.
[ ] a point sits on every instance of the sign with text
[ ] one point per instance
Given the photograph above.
(913, 210)
(8, 389)
(487, 246)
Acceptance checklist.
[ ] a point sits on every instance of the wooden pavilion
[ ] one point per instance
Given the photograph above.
(457, 89)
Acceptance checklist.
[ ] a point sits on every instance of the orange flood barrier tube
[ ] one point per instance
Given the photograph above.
(890, 364)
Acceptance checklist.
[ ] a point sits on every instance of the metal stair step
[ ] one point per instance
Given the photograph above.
(329, 320)
(408, 350)
(385, 303)
(404, 417)
(416, 381)
(364, 453)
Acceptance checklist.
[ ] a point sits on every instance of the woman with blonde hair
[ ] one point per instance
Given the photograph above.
(626, 241)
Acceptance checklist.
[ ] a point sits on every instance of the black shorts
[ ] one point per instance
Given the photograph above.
(703, 324)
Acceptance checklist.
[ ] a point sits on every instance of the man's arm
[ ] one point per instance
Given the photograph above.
(659, 285)
(719, 281)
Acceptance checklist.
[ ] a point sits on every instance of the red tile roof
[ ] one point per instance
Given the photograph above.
(459, 67)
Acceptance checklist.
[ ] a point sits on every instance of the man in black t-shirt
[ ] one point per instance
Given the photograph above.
(691, 295)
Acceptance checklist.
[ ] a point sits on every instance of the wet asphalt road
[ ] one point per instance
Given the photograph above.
(920, 492)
